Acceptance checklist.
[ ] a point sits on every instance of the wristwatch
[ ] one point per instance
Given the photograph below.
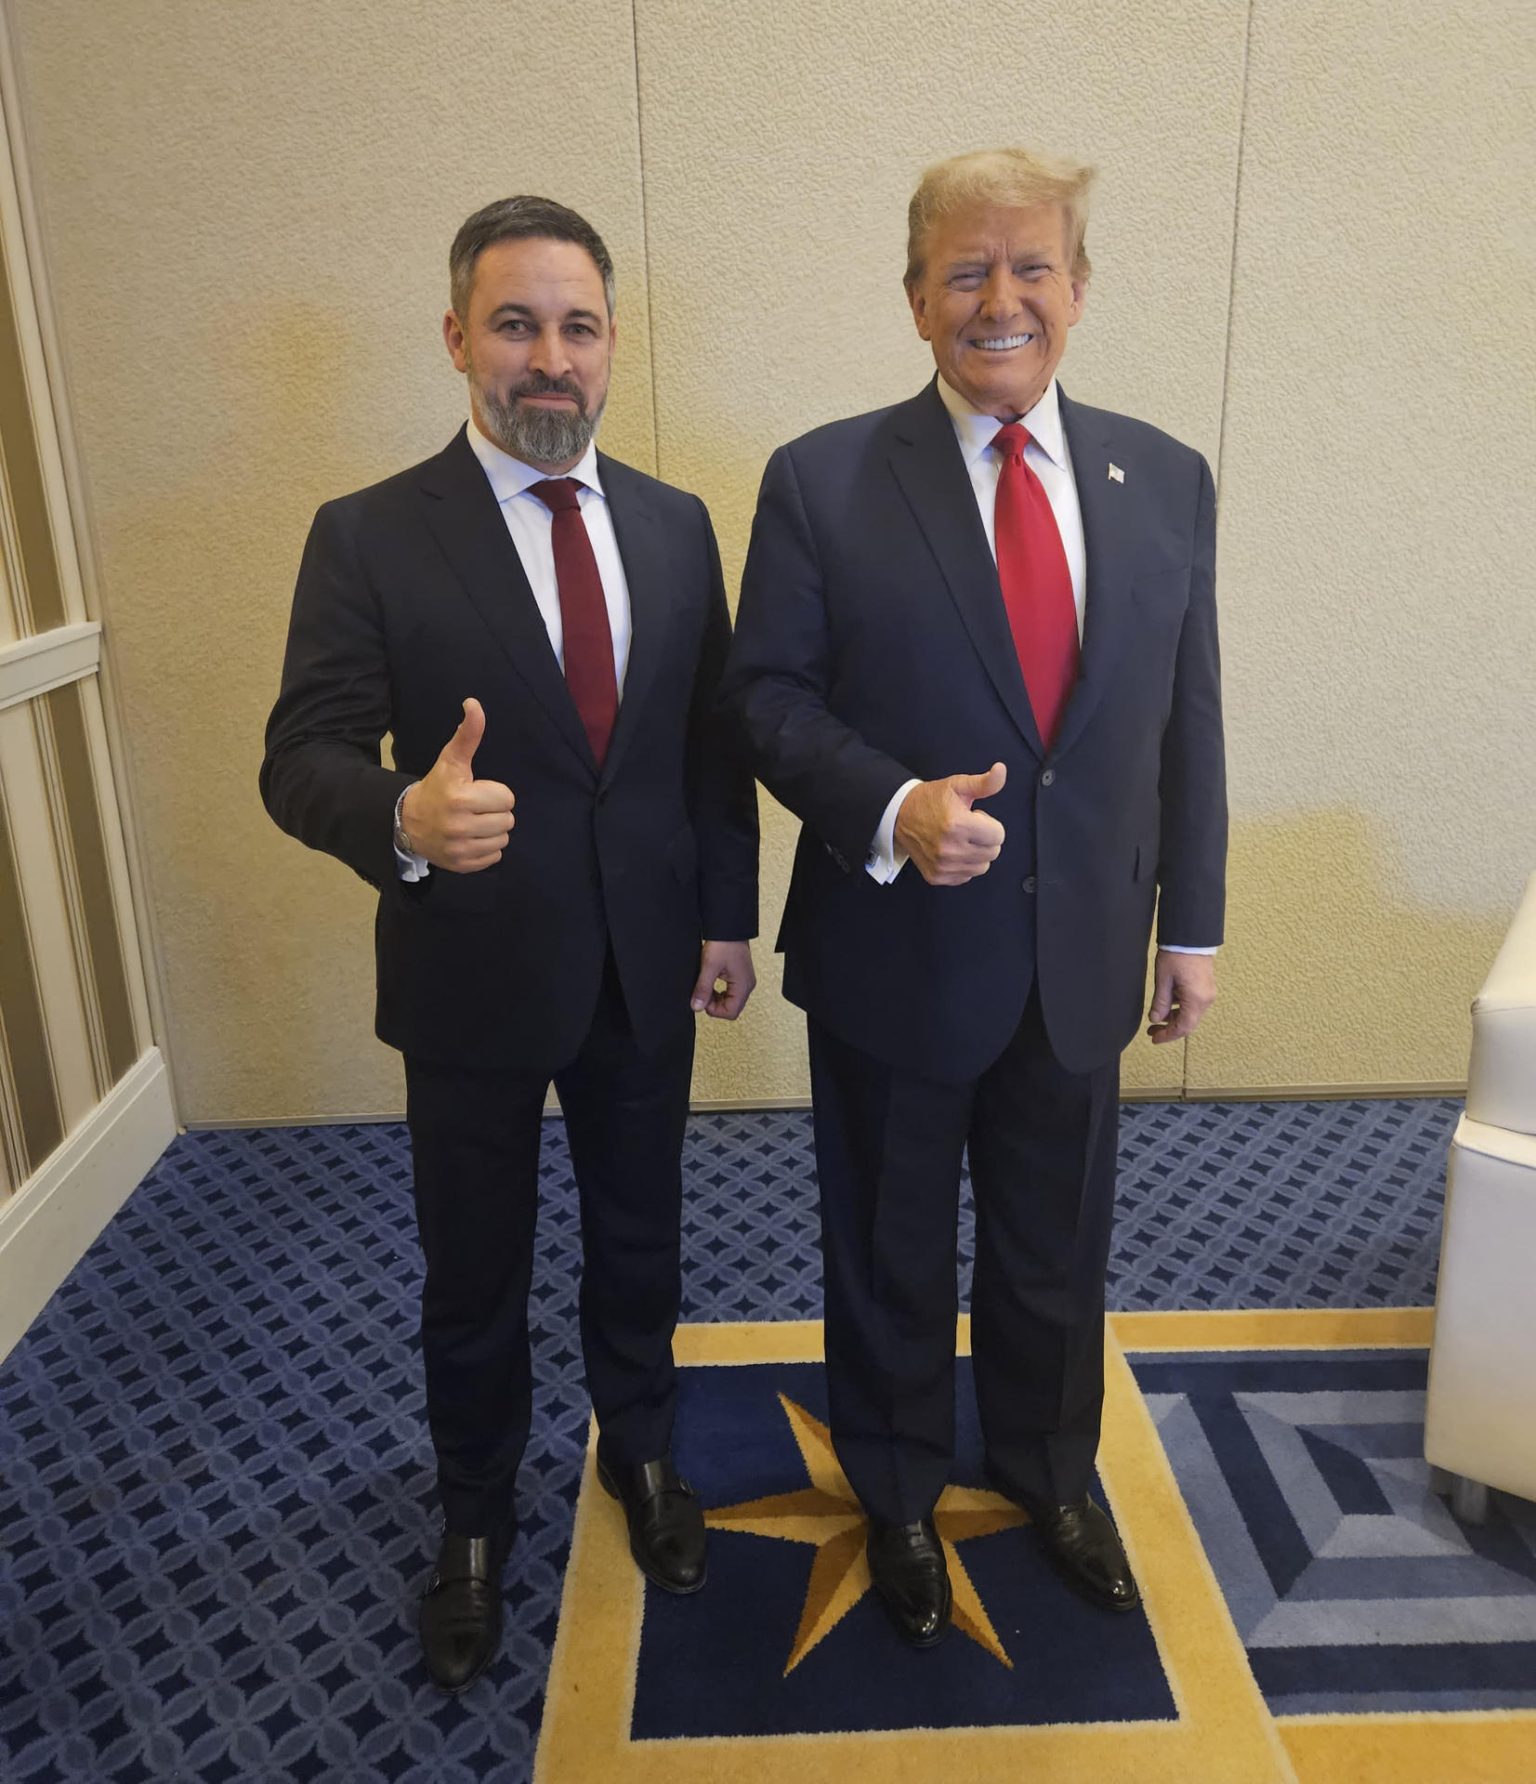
(402, 842)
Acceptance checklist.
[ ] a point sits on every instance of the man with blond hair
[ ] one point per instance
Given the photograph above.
(976, 656)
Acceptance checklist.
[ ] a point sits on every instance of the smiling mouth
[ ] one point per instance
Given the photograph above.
(1003, 344)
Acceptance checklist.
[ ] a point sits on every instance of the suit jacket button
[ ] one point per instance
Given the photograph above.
(1029, 884)
(1047, 777)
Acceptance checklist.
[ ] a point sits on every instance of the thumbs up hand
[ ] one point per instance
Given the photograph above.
(456, 821)
(948, 841)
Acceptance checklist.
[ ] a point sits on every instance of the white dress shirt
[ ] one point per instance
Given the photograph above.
(1048, 457)
(530, 523)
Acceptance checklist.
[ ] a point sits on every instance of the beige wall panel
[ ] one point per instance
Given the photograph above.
(1376, 539)
(40, 876)
(42, 569)
(246, 214)
(780, 152)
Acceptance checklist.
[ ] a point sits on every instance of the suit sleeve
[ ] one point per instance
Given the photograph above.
(779, 681)
(321, 778)
(722, 799)
(1193, 778)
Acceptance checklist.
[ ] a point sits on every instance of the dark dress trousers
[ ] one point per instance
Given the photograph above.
(570, 960)
(872, 645)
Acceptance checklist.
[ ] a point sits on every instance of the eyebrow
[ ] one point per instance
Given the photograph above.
(515, 309)
(982, 257)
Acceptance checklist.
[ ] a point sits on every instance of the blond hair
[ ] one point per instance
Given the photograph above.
(1014, 177)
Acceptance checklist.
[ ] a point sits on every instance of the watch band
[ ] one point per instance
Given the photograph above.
(402, 842)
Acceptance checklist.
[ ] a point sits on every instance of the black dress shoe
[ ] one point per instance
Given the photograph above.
(1086, 1551)
(666, 1526)
(460, 1620)
(906, 1563)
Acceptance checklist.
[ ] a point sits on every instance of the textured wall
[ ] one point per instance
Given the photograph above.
(782, 172)
(246, 213)
(1379, 602)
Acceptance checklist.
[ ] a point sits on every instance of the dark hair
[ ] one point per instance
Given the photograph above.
(507, 220)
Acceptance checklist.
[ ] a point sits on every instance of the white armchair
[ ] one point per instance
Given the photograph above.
(1481, 1416)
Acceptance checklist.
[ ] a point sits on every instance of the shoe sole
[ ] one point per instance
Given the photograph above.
(659, 1580)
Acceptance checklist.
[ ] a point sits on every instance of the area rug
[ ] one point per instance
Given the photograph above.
(1312, 1610)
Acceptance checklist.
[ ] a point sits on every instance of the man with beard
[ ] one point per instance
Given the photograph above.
(565, 853)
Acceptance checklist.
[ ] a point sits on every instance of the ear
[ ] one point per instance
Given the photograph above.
(453, 339)
(919, 309)
(1079, 299)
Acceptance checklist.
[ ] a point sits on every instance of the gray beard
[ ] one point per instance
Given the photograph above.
(538, 436)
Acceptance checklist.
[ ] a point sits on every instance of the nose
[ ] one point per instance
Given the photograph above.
(549, 354)
(1000, 294)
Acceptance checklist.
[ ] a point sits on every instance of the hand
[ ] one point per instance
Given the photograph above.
(728, 963)
(1183, 989)
(453, 819)
(947, 841)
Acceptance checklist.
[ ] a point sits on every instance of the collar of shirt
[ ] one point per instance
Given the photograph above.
(511, 477)
(976, 431)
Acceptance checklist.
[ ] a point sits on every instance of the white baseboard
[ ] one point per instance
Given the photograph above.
(53, 1219)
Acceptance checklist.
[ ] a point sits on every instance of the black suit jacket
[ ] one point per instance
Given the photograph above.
(411, 597)
(872, 646)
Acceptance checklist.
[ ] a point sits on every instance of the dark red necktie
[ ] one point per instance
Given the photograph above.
(588, 641)
(1036, 583)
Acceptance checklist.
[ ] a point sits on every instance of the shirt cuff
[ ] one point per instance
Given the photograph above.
(886, 859)
(412, 867)
(1171, 948)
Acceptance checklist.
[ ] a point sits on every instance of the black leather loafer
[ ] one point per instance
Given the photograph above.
(460, 1619)
(666, 1526)
(906, 1563)
(1086, 1551)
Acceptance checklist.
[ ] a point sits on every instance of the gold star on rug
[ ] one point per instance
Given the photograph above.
(828, 1517)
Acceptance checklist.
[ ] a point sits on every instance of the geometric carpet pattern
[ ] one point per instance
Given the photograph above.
(1303, 1618)
(215, 1483)
(1352, 1586)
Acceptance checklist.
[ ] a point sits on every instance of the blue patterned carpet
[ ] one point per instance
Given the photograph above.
(215, 1481)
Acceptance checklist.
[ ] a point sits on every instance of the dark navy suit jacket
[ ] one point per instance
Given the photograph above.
(872, 646)
(410, 597)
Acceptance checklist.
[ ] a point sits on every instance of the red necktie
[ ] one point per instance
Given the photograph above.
(1036, 583)
(589, 672)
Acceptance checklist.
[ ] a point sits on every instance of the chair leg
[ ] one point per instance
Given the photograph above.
(1469, 1500)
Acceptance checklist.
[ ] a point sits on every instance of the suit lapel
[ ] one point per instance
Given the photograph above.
(467, 523)
(648, 574)
(926, 459)
(1108, 534)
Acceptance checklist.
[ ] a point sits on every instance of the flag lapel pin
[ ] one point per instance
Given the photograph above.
(1116, 475)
